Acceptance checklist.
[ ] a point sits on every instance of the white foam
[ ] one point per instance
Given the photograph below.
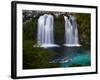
(72, 45)
(46, 45)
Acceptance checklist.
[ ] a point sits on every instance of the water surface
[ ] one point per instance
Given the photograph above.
(71, 57)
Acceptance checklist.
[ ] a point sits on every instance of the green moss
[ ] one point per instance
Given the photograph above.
(84, 28)
(59, 30)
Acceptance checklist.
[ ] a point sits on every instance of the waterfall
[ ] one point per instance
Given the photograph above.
(45, 33)
(71, 31)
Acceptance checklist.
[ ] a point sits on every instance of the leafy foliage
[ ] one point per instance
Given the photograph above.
(84, 27)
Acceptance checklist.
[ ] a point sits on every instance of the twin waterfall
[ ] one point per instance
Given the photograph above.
(45, 33)
(71, 32)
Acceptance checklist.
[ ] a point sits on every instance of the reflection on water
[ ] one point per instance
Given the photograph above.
(74, 56)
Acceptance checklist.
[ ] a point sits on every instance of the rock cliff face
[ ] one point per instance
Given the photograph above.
(27, 14)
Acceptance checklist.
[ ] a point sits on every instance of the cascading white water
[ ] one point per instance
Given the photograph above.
(45, 35)
(71, 32)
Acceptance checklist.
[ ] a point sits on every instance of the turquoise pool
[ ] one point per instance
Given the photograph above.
(72, 57)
